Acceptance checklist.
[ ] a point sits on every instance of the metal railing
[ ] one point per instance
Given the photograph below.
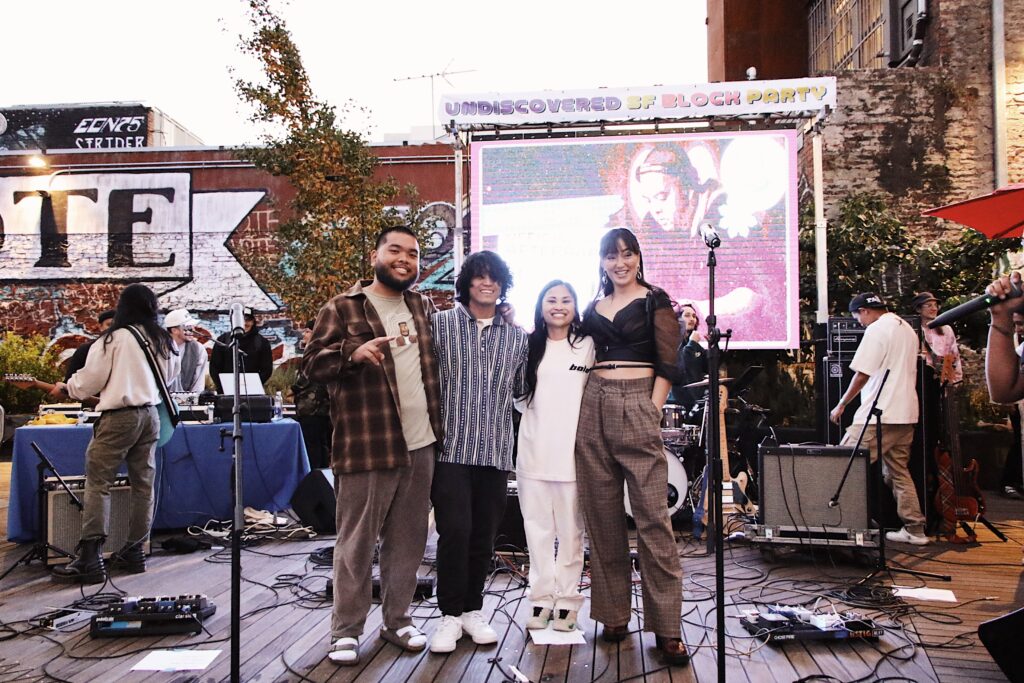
(846, 34)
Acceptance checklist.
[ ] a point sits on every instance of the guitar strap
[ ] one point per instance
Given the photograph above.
(165, 396)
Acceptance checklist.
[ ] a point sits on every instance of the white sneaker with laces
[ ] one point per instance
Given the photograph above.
(904, 536)
(478, 629)
(446, 635)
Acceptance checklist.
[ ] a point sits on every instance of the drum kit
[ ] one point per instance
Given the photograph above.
(682, 431)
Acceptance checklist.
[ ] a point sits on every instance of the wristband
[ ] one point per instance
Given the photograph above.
(1001, 330)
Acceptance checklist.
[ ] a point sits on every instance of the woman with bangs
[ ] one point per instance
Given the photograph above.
(618, 441)
(560, 357)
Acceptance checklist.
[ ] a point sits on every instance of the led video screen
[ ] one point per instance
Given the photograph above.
(543, 205)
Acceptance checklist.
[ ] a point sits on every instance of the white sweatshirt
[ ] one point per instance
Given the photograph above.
(547, 432)
(119, 374)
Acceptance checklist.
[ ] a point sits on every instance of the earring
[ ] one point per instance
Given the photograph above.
(604, 278)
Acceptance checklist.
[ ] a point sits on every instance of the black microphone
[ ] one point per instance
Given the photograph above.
(973, 306)
(711, 238)
(237, 320)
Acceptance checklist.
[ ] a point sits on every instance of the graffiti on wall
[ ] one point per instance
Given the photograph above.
(70, 239)
(128, 227)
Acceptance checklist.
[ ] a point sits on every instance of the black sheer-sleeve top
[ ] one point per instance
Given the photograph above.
(643, 331)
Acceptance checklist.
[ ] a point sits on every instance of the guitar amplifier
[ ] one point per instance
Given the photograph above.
(797, 482)
(255, 408)
(64, 519)
(844, 335)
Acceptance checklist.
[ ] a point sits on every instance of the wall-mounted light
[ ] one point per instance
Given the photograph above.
(37, 161)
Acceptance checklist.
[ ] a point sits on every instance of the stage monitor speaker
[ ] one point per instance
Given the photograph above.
(797, 482)
(314, 501)
(1001, 637)
(64, 519)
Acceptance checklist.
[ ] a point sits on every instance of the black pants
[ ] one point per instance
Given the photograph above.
(316, 434)
(469, 502)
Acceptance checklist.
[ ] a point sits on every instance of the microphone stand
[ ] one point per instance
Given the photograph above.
(714, 451)
(237, 521)
(882, 564)
(42, 548)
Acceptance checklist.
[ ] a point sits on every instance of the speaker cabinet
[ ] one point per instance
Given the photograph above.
(64, 519)
(314, 501)
(511, 534)
(837, 376)
(797, 483)
(1001, 637)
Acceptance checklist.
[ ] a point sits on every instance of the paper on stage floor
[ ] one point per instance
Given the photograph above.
(933, 594)
(176, 660)
(549, 636)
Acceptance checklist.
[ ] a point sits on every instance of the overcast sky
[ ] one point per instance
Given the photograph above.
(175, 55)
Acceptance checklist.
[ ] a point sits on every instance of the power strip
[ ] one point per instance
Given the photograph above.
(62, 618)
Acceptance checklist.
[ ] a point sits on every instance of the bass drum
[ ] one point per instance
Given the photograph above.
(678, 485)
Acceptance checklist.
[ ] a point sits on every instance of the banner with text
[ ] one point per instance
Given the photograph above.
(737, 98)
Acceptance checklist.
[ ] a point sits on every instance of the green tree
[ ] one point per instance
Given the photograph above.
(26, 356)
(869, 249)
(338, 207)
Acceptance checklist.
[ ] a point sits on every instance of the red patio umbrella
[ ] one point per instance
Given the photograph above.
(997, 214)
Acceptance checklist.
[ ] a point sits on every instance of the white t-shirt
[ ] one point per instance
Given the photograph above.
(889, 343)
(547, 432)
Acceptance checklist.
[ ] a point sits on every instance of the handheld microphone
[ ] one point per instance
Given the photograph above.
(711, 238)
(973, 306)
(237, 320)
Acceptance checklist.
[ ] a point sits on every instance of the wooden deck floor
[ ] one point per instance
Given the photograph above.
(285, 630)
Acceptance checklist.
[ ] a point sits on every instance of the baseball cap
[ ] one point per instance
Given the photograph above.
(866, 300)
(247, 312)
(179, 317)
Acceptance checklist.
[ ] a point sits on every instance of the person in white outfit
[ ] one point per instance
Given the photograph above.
(556, 373)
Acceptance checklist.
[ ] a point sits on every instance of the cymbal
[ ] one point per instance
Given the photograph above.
(703, 384)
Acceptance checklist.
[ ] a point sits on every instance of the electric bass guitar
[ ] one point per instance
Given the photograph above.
(699, 511)
(958, 499)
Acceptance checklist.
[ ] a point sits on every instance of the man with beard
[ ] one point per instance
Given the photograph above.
(371, 347)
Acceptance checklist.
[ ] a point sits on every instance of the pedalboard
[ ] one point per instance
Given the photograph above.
(782, 623)
(152, 616)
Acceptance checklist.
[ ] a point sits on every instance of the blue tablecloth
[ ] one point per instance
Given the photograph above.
(193, 477)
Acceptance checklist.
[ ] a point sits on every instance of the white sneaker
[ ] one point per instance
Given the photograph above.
(446, 635)
(539, 620)
(477, 627)
(565, 620)
(904, 536)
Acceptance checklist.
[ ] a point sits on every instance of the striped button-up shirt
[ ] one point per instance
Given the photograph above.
(365, 409)
(480, 371)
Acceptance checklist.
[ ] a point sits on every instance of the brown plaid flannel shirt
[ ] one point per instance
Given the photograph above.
(364, 398)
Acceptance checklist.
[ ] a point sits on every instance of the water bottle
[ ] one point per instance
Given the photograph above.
(278, 406)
